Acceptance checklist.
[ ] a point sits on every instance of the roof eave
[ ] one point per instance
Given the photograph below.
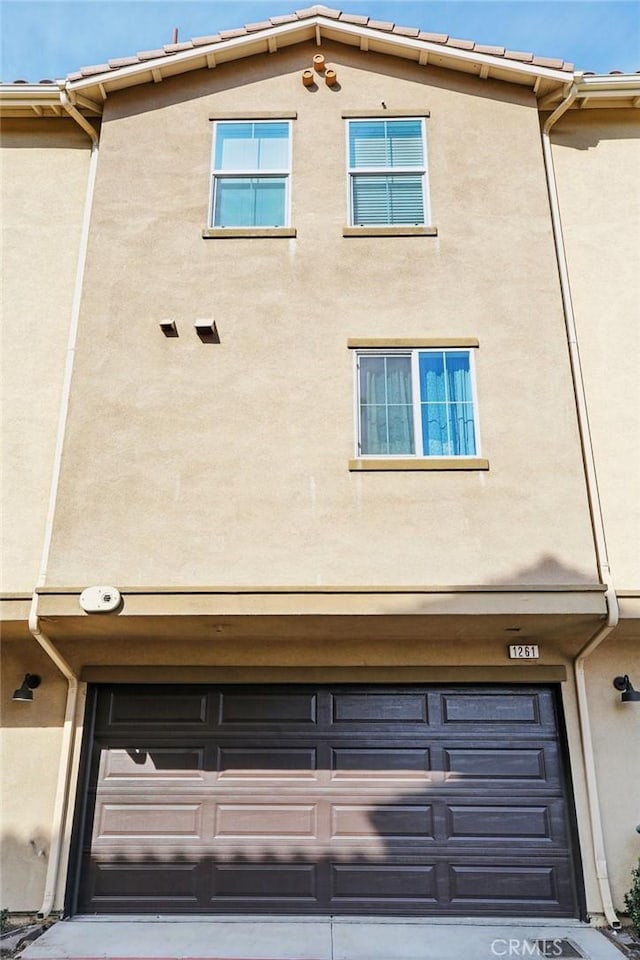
(318, 28)
(30, 100)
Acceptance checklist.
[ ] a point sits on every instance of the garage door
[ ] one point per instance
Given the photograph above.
(407, 800)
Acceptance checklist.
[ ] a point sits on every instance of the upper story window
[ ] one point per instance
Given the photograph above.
(387, 172)
(416, 403)
(251, 173)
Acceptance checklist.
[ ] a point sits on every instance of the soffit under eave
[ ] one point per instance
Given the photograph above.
(542, 79)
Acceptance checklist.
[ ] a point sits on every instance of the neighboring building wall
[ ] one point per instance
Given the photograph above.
(190, 463)
(616, 734)
(597, 158)
(29, 755)
(44, 174)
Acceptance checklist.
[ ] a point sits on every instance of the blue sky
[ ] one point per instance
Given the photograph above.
(51, 38)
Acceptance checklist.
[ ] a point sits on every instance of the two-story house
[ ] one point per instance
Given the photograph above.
(321, 514)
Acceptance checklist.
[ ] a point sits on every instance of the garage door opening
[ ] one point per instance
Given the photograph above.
(448, 801)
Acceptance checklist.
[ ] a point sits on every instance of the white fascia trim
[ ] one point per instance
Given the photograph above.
(40, 95)
(440, 49)
(331, 30)
(305, 27)
(628, 82)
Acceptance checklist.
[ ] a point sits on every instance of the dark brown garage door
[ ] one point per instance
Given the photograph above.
(408, 800)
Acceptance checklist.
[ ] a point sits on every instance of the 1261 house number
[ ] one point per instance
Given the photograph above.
(524, 651)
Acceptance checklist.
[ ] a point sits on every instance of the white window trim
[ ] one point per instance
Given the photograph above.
(215, 175)
(414, 352)
(387, 171)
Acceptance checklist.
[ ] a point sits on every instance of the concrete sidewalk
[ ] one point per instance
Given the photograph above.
(318, 938)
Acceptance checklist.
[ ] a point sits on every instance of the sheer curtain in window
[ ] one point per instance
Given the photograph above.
(446, 403)
(386, 410)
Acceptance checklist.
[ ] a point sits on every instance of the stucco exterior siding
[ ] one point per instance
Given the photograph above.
(216, 482)
(596, 155)
(44, 172)
(282, 376)
(616, 734)
(30, 741)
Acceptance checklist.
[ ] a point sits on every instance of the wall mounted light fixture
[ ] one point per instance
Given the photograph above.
(24, 693)
(624, 685)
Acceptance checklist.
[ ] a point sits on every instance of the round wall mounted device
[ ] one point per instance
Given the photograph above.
(100, 599)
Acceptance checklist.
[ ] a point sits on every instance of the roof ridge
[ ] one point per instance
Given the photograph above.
(320, 10)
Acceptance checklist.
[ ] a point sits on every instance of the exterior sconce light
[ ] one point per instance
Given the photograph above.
(24, 693)
(169, 328)
(307, 78)
(624, 685)
(330, 78)
(318, 62)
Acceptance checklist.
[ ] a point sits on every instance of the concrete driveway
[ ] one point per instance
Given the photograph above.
(325, 938)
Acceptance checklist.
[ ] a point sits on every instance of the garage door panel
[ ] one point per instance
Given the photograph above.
(325, 799)
(149, 820)
(502, 708)
(500, 762)
(150, 708)
(259, 709)
(378, 708)
(256, 883)
(266, 820)
(356, 820)
(119, 884)
(363, 883)
(495, 823)
(380, 763)
(267, 763)
(505, 883)
(160, 763)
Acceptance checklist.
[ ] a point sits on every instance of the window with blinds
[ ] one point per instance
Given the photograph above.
(251, 172)
(387, 172)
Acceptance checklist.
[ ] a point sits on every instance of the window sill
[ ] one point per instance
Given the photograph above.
(415, 463)
(389, 231)
(228, 233)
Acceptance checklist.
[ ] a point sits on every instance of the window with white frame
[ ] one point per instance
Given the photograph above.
(251, 173)
(416, 403)
(387, 172)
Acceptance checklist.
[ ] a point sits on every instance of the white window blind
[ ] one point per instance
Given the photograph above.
(387, 172)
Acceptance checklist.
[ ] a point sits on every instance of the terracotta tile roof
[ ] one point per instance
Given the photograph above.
(383, 26)
(371, 23)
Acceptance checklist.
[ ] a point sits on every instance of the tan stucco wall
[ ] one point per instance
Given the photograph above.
(30, 740)
(43, 175)
(192, 463)
(616, 735)
(596, 156)
(597, 160)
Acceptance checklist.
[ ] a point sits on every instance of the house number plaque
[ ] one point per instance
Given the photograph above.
(524, 651)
